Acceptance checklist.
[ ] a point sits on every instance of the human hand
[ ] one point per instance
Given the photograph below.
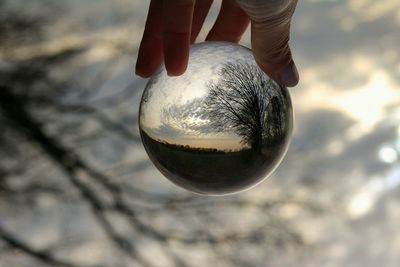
(172, 25)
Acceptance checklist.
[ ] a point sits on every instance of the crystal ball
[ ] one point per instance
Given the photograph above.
(221, 127)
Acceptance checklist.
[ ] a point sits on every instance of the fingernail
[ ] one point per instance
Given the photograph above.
(289, 75)
(172, 73)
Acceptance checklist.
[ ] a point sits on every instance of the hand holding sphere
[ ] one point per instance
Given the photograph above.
(221, 127)
(224, 125)
(172, 25)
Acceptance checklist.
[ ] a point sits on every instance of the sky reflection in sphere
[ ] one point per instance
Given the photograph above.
(221, 127)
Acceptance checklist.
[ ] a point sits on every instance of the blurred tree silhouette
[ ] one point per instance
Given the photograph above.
(245, 100)
(42, 138)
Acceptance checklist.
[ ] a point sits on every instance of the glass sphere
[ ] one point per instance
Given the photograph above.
(221, 127)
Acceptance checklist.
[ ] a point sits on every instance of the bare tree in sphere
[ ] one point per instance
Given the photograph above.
(245, 101)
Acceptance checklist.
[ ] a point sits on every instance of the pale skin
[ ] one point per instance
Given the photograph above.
(173, 25)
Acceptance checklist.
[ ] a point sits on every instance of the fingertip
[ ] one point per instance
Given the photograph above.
(139, 69)
(145, 67)
(176, 54)
(139, 72)
(289, 76)
(174, 73)
(176, 70)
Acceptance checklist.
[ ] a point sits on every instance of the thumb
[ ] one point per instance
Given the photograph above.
(270, 43)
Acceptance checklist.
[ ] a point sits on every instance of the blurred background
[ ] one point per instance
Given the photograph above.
(78, 190)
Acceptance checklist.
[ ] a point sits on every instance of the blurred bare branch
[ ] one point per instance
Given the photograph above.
(41, 255)
(33, 100)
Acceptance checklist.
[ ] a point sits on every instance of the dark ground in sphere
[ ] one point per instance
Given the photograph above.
(211, 171)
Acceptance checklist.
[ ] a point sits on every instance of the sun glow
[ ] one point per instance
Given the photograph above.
(365, 104)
